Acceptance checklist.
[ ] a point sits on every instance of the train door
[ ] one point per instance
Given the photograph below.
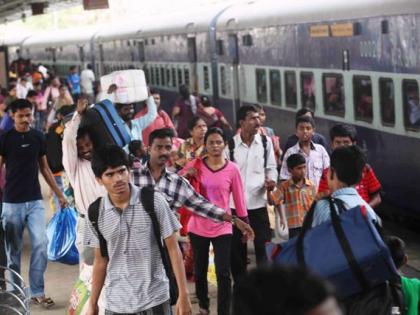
(4, 68)
(192, 58)
(82, 58)
(233, 63)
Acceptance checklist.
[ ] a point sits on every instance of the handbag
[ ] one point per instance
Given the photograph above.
(348, 250)
(147, 199)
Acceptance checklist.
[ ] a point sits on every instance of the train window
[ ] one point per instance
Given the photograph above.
(307, 87)
(146, 74)
(387, 101)
(362, 93)
(162, 76)
(223, 80)
(384, 27)
(152, 41)
(333, 89)
(206, 77)
(261, 85)
(411, 105)
(173, 77)
(275, 87)
(220, 47)
(247, 40)
(187, 77)
(290, 88)
(168, 77)
(179, 77)
(152, 75)
(157, 76)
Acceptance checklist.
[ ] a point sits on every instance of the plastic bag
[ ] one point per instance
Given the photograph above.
(61, 232)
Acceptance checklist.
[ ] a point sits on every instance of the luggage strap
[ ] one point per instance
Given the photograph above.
(231, 145)
(93, 214)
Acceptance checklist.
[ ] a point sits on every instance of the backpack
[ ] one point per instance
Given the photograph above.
(55, 148)
(147, 200)
(231, 145)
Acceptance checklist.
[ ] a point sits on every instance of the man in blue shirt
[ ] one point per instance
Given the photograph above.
(73, 80)
(345, 172)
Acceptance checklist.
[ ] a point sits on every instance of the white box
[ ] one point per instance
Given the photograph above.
(131, 85)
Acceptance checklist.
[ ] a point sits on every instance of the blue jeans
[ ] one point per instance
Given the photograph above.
(15, 217)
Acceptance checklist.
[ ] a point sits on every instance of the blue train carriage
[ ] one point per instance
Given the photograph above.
(351, 61)
(60, 49)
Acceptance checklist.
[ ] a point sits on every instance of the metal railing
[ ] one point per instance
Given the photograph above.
(15, 299)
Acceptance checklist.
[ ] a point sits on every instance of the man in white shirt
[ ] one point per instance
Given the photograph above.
(87, 79)
(23, 87)
(254, 155)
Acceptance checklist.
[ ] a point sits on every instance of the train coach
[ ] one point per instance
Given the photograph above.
(350, 61)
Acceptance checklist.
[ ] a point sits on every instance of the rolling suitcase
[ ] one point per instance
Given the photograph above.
(105, 125)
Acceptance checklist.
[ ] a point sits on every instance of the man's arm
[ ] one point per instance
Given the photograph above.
(69, 145)
(98, 278)
(183, 305)
(49, 178)
(1, 161)
(147, 119)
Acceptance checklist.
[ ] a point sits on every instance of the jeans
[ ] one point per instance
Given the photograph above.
(294, 232)
(258, 219)
(15, 217)
(162, 309)
(221, 246)
(40, 120)
(59, 181)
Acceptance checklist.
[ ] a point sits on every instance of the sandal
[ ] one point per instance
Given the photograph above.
(203, 311)
(43, 301)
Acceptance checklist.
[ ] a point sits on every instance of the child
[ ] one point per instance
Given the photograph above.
(294, 197)
(138, 155)
(316, 156)
(410, 287)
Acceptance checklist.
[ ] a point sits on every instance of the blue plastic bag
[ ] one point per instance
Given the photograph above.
(61, 232)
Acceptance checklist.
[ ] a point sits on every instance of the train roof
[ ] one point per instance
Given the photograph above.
(114, 32)
(13, 40)
(78, 36)
(274, 12)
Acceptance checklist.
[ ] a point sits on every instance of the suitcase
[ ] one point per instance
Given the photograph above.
(348, 251)
(131, 85)
(105, 125)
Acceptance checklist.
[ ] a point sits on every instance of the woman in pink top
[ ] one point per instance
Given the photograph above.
(219, 178)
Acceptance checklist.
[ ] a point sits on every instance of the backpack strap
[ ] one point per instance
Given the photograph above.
(93, 214)
(264, 143)
(231, 145)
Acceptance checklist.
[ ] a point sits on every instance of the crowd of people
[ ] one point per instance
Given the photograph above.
(212, 183)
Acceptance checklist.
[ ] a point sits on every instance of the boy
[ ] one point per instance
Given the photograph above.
(317, 159)
(293, 198)
(410, 287)
(132, 273)
(137, 155)
(369, 187)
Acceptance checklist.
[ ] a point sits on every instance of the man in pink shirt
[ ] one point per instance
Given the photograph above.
(77, 154)
(162, 119)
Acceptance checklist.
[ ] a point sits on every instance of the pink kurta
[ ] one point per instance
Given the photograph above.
(218, 186)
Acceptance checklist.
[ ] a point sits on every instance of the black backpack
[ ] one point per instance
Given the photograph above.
(54, 149)
(231, 145)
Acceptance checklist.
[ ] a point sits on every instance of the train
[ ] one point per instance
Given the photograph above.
(355, 62)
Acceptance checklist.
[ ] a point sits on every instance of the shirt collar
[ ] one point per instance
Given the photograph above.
(306, 183)
(257, 139)
(344, 191)
(134, 192)
(297, 146)
(165, 173)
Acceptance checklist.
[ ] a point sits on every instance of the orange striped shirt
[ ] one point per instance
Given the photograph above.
(297, 200)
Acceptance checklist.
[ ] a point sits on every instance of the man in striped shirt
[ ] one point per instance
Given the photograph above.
(132, 272)
(177, 190)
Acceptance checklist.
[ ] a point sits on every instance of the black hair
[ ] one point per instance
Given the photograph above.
(280, 290)
(20, 104)
(119, 106)
(72, 67)
(184, 91)
(348, 163)
(214, 130)
(397, 248)
(161, 134)
(83, 132)
(343, 130)
(193, 121)
(258, 107)
(295, 160)
(244, 110)
(153, 91)
(134, 145)
(31, 93)
(303, 111)
(305, 119)
(11, 87)
(89, 66)
(205, 101)
(108, 156)
(23, 78)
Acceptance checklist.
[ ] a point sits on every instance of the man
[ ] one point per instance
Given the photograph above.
(345, 172)
(22, 87)
(178, 192)
(77, 156)
(73, 80)
(87, 79)
(369, 188)
(132, 274)
(23, 150)
(254, 155)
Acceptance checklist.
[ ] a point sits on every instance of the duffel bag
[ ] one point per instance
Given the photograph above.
(348, 250)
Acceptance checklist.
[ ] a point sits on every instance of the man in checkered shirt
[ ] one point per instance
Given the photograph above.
(177, 190)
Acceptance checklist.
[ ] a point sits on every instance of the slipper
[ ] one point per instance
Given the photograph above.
(43, 301)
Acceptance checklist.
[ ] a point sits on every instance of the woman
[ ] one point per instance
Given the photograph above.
(192, 147)
(64, 98)
(218, 179)
(211, 115)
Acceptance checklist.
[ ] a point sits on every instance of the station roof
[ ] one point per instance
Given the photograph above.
(11, 10)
